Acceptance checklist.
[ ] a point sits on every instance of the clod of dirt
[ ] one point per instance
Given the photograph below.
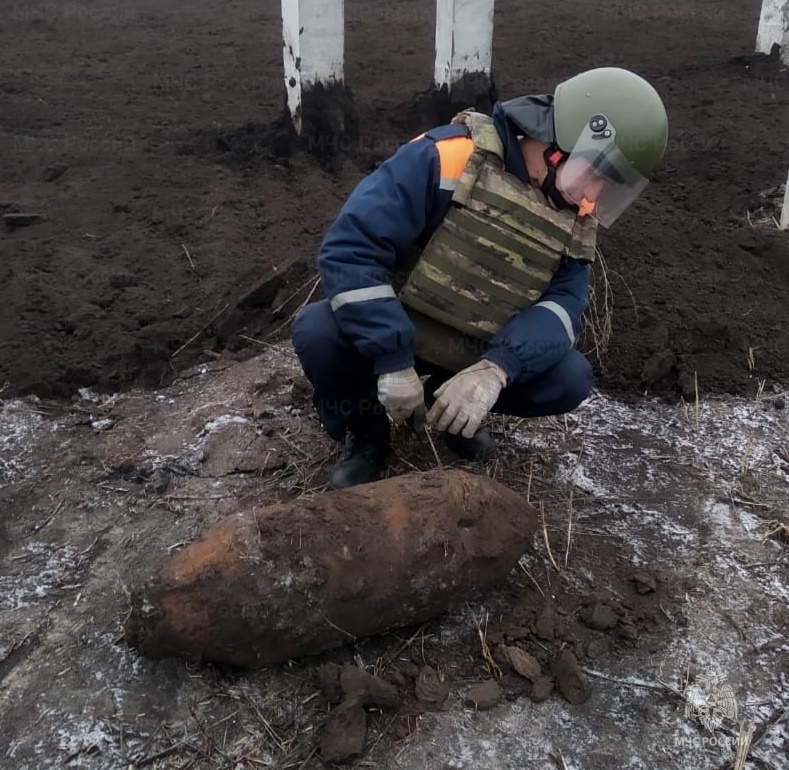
(522, 662)
(600, 617)
(645, 583)
(627, 631)
(408, 668)
(345, 731)
(21, 219)
(430, 688)
(485, 695)
(252, 143)
(300, 391)
(542, 689)
(55, 171)
(597, 647)
(547, 624)
(516, 633)
(657, 367)
(569, 678)
(688, 384)
(260, 303)
(397, 679)
(372, 690)
(330, 682)
(339, 579)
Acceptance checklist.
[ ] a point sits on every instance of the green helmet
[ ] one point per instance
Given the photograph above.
(629, 104)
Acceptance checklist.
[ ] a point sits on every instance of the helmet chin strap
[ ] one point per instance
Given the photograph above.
(554, 157)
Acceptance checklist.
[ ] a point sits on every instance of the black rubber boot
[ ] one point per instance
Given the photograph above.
(480, 446)
(365, 454)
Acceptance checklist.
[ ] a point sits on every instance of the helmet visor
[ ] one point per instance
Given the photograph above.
(597, 176)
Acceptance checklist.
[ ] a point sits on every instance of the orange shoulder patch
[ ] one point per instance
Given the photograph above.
(453, 154)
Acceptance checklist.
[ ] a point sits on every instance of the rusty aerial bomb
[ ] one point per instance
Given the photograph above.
(274, 583)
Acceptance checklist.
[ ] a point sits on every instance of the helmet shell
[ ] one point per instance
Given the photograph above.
(629, 103)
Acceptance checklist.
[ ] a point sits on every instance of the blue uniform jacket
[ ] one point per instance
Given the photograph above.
(399, 205)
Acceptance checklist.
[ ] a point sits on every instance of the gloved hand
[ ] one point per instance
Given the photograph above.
(462, 402)
(401, 394)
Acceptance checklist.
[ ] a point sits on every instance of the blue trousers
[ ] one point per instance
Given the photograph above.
(345, 384)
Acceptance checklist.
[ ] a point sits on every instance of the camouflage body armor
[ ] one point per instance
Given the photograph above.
(493, 255)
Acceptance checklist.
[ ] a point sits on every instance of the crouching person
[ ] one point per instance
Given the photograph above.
(466, 257)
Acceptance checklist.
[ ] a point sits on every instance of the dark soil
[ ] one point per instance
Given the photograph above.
(145, 135)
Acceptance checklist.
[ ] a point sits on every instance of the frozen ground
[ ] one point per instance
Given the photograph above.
(95, 494)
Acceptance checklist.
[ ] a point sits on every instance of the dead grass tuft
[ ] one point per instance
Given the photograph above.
(778, 530)
(482, 632)
(599, 316)
(767, 211)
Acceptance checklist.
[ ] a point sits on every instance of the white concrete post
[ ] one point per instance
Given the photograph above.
(774, 28)
(313, 34)
(464, 41)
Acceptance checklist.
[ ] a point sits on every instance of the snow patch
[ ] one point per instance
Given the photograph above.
(47, 569)
(222, 421)
(20, 426)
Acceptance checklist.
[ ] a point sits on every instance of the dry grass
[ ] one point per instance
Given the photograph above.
(545, 537)
(743, 745)
(522, 565)
(482, 633)
(312, 284)
(201, 331)
(766, 214)
(237, 728)
(569, 529)
(778, 530)
(599, 316)
(693, 412)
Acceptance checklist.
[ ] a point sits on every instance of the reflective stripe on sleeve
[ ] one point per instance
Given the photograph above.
(362, 295)
(447, 184)
(562, 315)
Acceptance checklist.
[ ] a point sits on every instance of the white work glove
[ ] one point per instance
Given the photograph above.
(462, 402)
(401, 394)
